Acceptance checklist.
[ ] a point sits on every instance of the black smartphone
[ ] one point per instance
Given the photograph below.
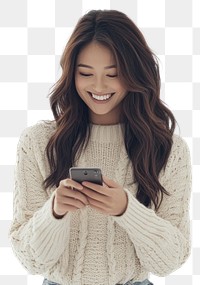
(89, 174)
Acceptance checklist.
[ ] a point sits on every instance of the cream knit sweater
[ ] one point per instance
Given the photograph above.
(87, 247)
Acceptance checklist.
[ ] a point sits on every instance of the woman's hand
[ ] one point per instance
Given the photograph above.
(68, 198)
(109, 199)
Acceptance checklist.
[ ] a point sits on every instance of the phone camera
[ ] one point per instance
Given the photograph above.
(85, 172)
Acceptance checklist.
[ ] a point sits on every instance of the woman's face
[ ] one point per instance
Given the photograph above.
(98, 84)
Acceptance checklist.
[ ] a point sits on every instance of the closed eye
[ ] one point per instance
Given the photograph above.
(84, 74)
(115, 75)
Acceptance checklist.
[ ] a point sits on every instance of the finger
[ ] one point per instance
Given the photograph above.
(73, 202)
(80, 196)
(94, 195)
(66, 200)
(71, 183)
(76, 194)
(96, 203)
(109, 182)
(64, 192)
(95, 187)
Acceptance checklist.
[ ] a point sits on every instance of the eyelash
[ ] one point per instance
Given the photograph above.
(84, 74)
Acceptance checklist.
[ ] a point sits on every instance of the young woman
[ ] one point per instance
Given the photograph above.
(108, 114)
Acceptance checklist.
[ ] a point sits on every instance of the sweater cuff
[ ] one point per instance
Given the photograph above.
(47, 213)
(138, 220)
(50, 236)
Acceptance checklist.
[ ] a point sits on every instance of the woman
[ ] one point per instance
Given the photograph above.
(108, 114)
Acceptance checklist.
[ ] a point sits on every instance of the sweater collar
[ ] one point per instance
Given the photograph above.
(107, 133)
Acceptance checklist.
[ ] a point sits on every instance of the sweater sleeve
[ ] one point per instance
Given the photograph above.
(162, 239)
(37, 238)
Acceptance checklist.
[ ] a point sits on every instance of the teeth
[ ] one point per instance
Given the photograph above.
(101, 98)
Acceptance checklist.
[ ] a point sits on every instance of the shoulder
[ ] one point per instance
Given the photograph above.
(38, 133)
(179, 155)
(43, 128)
(179, 147)
(179, 141)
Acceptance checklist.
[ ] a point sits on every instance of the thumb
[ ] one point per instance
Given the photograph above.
(109, 182)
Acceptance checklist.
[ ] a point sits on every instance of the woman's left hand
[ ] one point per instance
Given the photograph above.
(110, 198)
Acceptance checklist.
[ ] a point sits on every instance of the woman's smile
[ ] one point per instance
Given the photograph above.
(101, 99)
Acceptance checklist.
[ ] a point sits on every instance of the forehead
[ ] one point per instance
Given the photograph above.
(95, 54)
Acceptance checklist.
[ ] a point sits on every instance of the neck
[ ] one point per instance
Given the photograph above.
(112, 118)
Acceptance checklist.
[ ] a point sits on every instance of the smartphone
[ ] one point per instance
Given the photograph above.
(90, 174)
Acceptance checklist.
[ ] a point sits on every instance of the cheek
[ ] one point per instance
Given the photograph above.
(80, 84)
(119, 86)
(121, 90)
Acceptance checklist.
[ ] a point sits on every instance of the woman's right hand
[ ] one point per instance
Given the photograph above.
(67, 198)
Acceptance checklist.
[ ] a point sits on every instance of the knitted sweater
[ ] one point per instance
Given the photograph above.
(87, 247)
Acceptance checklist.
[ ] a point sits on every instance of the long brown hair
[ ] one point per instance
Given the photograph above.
(148, 134)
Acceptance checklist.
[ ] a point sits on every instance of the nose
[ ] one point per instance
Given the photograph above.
(99, 84)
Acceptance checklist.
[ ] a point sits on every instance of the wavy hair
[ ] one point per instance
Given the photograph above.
(149, 124)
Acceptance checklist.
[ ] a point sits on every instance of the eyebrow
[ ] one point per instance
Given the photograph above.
(88, 66)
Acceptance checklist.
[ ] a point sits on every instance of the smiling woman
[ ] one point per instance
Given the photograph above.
(99, 79)
(107, 114)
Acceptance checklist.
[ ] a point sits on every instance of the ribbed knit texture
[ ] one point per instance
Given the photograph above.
(87, 247)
